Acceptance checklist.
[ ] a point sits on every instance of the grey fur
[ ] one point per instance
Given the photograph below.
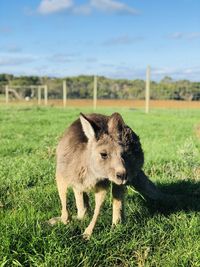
(93, 152)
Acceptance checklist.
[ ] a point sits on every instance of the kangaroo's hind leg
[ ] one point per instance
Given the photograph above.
(62, 191)
(99, 199)
(101, 189)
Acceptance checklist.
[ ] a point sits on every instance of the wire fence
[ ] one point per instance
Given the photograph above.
(96, 91)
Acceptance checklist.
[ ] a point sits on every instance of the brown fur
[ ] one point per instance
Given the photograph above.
(94, 151)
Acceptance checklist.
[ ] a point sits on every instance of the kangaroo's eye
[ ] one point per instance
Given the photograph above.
(104, 155)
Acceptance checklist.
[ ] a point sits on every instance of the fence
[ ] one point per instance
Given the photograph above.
(37, 91)
(17, 93)
(99, 91)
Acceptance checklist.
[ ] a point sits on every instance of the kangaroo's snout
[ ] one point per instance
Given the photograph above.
(122, 176)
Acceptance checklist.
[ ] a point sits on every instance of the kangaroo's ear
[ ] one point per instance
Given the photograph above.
(89, 127)
(115, 123)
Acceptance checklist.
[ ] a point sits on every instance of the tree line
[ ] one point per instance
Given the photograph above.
(82, 87)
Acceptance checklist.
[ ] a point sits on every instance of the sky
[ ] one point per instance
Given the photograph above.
(114, 38)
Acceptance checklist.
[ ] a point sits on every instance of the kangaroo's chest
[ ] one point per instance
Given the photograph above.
(86, 180)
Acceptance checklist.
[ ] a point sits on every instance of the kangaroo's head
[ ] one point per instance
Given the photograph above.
(104, 152)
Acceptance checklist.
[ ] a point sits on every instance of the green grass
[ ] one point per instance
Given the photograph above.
(152, 235)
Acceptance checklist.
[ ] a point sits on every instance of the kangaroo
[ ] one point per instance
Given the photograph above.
(97, 150)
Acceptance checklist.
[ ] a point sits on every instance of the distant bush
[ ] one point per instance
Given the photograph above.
(82, 87)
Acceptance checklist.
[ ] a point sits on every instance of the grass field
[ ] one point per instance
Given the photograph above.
(152, 234)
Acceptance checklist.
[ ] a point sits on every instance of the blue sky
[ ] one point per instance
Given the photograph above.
(115, 38)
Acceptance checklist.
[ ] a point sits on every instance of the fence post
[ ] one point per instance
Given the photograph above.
(7, 94)
(95, 93)
(39, 95)
(147, 93)
(64, 93)
(45, 95)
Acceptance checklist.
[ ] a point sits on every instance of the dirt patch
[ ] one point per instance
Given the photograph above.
(169, 104)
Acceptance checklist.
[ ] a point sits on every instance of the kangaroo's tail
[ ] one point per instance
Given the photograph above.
(150, 191)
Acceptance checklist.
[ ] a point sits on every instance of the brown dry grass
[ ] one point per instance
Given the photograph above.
(169, 104)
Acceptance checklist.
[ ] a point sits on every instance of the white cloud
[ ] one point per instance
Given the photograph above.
(186, 36)
(62, 58)
(122, 40)
(15, 60)
(193, 35)
(191, 73)
(10, 48)
(91, 60)
(112, 6)
(82, 10)
(109, 6)
(91, 66)
(5, 29)
(14, 49)
(53, 6)
(176, 35)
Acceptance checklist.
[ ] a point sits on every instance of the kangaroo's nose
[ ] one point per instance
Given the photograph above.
(122, 176)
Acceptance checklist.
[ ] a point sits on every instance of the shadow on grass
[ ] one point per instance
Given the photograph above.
(184, 196)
